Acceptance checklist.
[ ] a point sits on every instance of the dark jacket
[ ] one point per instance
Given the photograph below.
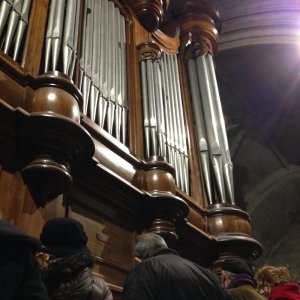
(285, 291)
(70, 278)
(20, 276)
(243, 287)
(167, 276)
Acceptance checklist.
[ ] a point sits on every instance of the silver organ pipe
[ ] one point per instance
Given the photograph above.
(211, 131)
(211, 124)
(102, 60)
(227, 164)
(201, 132)
(14, 15)
(164, 126)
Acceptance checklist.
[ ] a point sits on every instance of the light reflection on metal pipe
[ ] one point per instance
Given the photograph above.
(211, 124)
(57, 32)
(68, 45)
(123, 77)
(5, 7)
(21, 27)
(227, 164)
(159, 109)
(184, 138)
(198, 115)
(14, 17)
(145, 107)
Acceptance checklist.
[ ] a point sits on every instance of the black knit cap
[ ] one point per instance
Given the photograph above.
(63, 236)
(236, 266)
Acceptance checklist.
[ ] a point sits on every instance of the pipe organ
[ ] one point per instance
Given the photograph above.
(111, 114)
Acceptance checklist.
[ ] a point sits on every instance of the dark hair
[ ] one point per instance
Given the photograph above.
(68, 266)
(148, 244)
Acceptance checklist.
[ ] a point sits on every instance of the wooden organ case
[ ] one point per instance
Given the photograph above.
(113, 117)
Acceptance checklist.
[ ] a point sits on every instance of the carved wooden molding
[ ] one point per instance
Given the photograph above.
(168, 44)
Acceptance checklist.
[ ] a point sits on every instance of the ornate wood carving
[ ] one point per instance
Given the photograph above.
(199, 24)
(149, 50)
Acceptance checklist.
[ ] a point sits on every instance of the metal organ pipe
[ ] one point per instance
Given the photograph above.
(227, 164)
(14, 15)
(211, 124)
(182, 126)
(102, 59)
(163, 115)
(145, 108)
(23, 21)
(212, 138)
(202, 139)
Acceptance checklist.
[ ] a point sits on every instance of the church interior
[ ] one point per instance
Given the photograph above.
(178, 117)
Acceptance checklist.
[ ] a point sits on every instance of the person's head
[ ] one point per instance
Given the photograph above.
(268, 277)
(148, 244)
(63, 237)
(233, 266)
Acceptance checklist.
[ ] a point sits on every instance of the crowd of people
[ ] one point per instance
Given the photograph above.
(58, 267)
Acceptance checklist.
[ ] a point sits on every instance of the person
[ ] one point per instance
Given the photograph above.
(276, 283)
(238, 278)
(20, 276)
(66, 271)
(163, 274)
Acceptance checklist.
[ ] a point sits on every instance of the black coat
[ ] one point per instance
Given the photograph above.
(20, 277)
(167, 276)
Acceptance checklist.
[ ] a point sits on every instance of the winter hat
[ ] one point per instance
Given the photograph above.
(63, 236)
(236, 266)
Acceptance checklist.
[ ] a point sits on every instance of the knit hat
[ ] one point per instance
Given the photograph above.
(63, 236)
(236, 266)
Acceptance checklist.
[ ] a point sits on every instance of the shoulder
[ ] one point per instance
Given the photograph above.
(100, 289)
(245, 291)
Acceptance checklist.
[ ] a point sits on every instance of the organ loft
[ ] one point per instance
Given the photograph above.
(112, 115)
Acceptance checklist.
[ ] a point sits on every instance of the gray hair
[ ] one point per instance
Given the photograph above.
(148, 244)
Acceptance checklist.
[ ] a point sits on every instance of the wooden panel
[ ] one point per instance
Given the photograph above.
(18, 207)
(110, 244)
(11, 91)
